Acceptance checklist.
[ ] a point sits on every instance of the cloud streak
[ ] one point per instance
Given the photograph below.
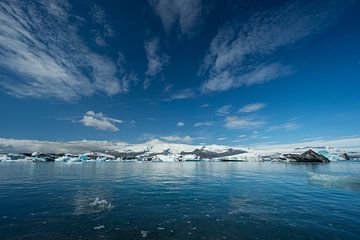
(40, 47)
(224, 110)
(234, 122)
(253, 107)
(155, 58)
(180, 124)
(100, 121)
(238, 54)
(289, 126)
(183, 94)
(204, 124)
(184, 14)
(184, 139)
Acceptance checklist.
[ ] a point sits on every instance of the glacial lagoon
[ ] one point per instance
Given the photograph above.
(179, 200)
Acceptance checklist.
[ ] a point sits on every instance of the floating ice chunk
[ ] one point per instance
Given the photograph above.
(83, 158)
(62, 159)
(144, 233)
(4, 158)
(38, 159)
(99, 227)
(100, 205)
(35, 154)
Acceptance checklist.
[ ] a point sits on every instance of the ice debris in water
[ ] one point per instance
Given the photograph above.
(101, 205)
(144, 233)
(99, 227)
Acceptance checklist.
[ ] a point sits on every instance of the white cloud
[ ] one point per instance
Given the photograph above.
(100, 121)
(185, 13)
(221, 138)
(224, 110)
(234, 122)
(185, 139)
(346, 143)
(289, 126)
(237, 55)
(183, 94)
(203, 124)
(253, 107)
(24, 145)
(228, 79)
(180, 124)
(41, 47)
(205, 105)
(104, 29)
(156, 59)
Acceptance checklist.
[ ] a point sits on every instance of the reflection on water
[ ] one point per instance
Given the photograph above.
(194, 200)
(348, 182)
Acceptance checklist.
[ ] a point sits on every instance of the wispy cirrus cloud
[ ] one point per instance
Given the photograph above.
(104, 29)
(100, 121)
(234, 122)
(156, 60)
(238, 55)
(288, 126)
(175, 138)
(224, 110)
(203, 124)
(253, 107)
(183, 94)
(41, 48)
(27, 145)
(185, 14)
(180, 124)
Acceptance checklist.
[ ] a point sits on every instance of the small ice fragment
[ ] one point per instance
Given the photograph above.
(144, 233)
(100, 205)
(161, 228)
(99, 227)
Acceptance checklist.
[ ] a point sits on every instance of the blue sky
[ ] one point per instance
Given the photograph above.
(193, 71)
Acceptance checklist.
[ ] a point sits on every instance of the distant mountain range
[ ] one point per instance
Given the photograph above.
(155, 150)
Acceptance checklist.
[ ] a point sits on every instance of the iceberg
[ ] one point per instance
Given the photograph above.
(242, 157)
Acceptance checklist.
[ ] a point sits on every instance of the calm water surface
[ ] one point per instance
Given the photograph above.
(193, 200)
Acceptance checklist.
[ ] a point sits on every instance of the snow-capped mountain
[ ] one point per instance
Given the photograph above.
(154, 150)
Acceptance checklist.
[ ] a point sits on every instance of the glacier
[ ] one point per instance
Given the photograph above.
(159, 151)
